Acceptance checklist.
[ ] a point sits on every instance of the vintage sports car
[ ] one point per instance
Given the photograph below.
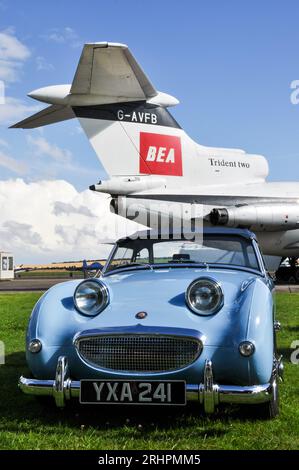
(169, 319)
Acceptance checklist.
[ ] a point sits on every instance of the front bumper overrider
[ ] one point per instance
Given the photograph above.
(208, 393)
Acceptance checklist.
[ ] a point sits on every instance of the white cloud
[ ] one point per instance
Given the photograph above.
(11, 48)
(12, 164)
(58, 159)
(64, 35)
(2, 92)
(67, 209)
(14, 110)
(43, 147)
(9, 162)
(51, 221)
(13, 53)
(20, 232)
(42, 64)
(9, 70)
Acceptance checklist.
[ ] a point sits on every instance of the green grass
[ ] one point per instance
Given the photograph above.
(27, 424)
(48, 273)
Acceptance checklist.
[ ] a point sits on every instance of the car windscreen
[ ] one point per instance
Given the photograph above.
(212, 249)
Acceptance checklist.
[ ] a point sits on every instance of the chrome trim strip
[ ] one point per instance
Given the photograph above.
(259, 257)
(110, 257)
(140, 329)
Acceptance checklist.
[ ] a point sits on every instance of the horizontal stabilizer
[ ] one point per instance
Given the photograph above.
(110, 70)
(49, 115)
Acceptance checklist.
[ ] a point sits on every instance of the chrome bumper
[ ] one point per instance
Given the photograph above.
(209, 394)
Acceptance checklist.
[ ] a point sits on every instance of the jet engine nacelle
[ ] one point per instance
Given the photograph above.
(159, 215)
(261, 217)
(128, 184)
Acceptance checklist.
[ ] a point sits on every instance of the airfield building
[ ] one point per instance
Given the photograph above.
(6, 265)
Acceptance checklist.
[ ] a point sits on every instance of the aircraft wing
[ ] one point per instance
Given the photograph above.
(49, 115)
(110, 70)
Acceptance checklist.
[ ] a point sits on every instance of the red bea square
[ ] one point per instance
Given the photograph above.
(160, 154)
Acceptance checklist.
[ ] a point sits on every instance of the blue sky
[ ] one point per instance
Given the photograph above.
(230, 63)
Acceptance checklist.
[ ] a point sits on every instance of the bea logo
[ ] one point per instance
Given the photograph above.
(160, 154)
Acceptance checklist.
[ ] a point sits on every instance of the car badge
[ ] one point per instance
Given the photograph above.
(141, 315)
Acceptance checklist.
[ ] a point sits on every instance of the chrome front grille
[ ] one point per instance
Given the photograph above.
(139, 352)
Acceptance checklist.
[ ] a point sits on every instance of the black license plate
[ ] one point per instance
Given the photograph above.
(132, 392)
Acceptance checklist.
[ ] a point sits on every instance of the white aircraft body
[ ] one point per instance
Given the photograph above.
(150, 158)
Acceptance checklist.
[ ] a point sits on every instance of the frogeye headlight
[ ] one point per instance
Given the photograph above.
(91, 297)
(204, 296)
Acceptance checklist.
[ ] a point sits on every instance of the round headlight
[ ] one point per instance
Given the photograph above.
(204, 296)
(91, 297)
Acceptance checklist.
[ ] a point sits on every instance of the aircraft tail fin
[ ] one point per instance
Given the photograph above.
(123, 115)
(131, 130)
(84, 265)
(126, 113)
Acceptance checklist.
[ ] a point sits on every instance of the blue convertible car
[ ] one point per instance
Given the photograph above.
(169, 319)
